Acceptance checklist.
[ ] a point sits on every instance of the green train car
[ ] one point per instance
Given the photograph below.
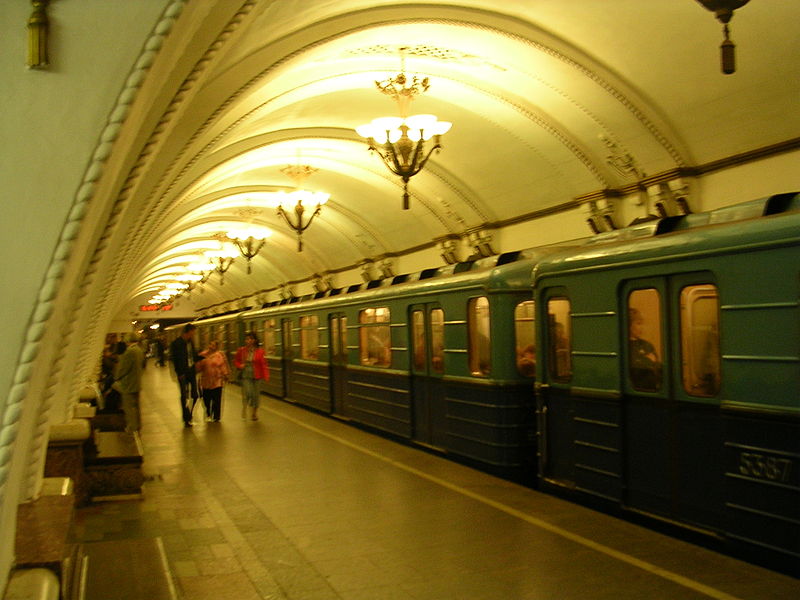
(443, 359)
(650, 371)
(669, 381)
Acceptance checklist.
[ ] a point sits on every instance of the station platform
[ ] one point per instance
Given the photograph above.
(303, 507)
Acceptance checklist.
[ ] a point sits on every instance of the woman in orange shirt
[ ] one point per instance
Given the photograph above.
(214, 371)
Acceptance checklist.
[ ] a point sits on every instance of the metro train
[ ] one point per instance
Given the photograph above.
(650, 371)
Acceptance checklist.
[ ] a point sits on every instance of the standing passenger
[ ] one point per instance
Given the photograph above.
(645, 367)
(184, 357)
(128, 378)
(160, 351)
(214, 373)
(250, 360)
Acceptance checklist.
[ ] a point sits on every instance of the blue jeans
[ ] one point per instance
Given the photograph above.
(188, 387)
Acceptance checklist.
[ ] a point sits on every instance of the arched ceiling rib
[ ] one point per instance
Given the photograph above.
(536, 91)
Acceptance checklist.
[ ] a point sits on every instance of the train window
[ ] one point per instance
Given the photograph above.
(338, 330)
(559, 330)
(269, 337)
(700, 340)
(336, 336)
(375, 337)
(645, 347)
(437, 340)
(524, 338)
(418, 339)
(478, 326)
(203, 338)
(309, 337)
(288, 342)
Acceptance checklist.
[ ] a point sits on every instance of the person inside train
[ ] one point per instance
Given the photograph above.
(644, 364)
(184, 356)
(213, 371)
(526, 361)
(253, 369)
(561, 348)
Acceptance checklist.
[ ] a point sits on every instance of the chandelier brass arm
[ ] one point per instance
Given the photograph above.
(298, 226)
(405, 158)
(249, 247)
(222, 260)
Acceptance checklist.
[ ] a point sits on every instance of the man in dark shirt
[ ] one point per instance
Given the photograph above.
(184, 356)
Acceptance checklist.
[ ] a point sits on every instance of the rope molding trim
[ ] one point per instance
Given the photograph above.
(43, 309)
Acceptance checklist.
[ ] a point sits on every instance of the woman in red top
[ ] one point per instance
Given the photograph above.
(250, 361)
(214, 371)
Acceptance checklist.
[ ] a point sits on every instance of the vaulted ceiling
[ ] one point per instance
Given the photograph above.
(550, 100)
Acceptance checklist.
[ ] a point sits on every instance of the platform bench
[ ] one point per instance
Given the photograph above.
(114, 467)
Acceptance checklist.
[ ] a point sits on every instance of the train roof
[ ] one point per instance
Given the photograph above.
(507, 271)
(774, 219)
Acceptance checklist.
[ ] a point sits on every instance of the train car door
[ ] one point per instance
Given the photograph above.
(555, 405)
(222, 333)
(647, 409)
(287, 354)
(337, 330)
(672, 429)
(426, 328)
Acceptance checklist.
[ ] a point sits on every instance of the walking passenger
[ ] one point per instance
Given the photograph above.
(253, 366)
(214, 373)
(184, 357)
(128, 378)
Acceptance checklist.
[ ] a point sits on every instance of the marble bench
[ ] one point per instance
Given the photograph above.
(114, 466)
(45, 557)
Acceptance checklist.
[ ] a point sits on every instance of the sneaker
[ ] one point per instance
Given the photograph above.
(187, 423)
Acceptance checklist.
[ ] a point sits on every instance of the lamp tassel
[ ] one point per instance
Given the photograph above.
(38, 27)
(405, 196)
(728, 53)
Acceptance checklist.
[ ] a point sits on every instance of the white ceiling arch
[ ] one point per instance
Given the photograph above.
(542, 96)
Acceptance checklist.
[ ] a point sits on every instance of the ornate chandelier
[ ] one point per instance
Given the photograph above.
(400, 141)
(299, 201)
(201, 266)
(250, 238)
(222, 258)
